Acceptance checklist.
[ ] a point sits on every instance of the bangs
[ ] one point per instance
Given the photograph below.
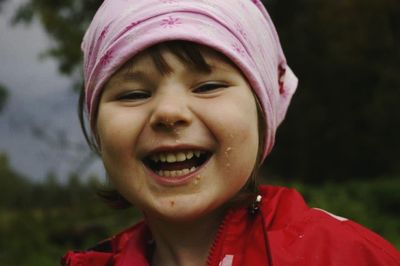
(190, 54)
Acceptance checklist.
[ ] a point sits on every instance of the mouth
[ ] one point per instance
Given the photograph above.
(177, 163)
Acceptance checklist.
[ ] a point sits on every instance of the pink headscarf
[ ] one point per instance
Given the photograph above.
(240, 29)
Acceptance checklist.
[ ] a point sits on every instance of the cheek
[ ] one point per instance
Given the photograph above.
(239, 122)
(241, 148)
(118, 130)
(236, 130)
(116, 133)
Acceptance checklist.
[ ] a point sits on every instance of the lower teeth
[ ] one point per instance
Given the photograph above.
(176, 173)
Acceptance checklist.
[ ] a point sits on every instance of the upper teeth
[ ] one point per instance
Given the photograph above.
(172, 157)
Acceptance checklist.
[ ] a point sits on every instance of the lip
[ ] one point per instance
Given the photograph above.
(177, 180)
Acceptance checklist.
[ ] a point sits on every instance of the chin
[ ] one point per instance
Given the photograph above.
(182, 209)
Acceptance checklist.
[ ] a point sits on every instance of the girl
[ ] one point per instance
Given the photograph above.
(184, 98)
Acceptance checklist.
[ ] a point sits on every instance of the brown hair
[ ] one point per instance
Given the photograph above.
(190, 54)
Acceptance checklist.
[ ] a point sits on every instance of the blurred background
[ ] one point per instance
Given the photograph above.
(339, 144)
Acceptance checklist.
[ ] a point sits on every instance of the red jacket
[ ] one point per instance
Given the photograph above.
(284, 231)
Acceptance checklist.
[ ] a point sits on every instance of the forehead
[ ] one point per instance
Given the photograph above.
(194, 57)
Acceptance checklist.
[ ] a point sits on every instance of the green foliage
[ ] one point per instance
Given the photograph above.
(9, 182)
(65, 22)
(44, 220)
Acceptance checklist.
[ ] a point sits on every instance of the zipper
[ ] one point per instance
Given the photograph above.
(218, 238)
(252, 210)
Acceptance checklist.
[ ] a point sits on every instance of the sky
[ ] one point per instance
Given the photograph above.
(39, 128)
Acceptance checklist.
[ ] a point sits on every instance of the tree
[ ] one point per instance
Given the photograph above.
(65, 22)
(344, 117)
(15, 188)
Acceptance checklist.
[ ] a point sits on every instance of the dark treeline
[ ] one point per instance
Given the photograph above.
(343, 122)
(40, 221)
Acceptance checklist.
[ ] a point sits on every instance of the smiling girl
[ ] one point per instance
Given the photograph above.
(184, 98)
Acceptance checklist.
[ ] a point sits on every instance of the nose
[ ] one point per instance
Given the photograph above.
(171, 111)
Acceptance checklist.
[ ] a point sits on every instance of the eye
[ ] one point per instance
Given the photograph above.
(134, 95)
(209, 87)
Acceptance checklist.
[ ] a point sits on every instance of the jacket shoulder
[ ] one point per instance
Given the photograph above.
(102, 254)
(351, 242)
(87, 258)
(301, 235)
(281, 206)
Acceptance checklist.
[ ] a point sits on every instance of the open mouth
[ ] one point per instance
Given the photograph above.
(178, 163)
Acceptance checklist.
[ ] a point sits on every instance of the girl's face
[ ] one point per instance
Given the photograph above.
(179, 144)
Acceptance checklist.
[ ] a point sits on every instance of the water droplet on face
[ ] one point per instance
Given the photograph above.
(197, 180)
(227, 151)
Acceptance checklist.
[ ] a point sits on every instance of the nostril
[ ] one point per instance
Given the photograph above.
(169, 125)
(170, 120)
(170, 116)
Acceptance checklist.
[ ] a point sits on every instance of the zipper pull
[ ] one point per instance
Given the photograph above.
(254, 208)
